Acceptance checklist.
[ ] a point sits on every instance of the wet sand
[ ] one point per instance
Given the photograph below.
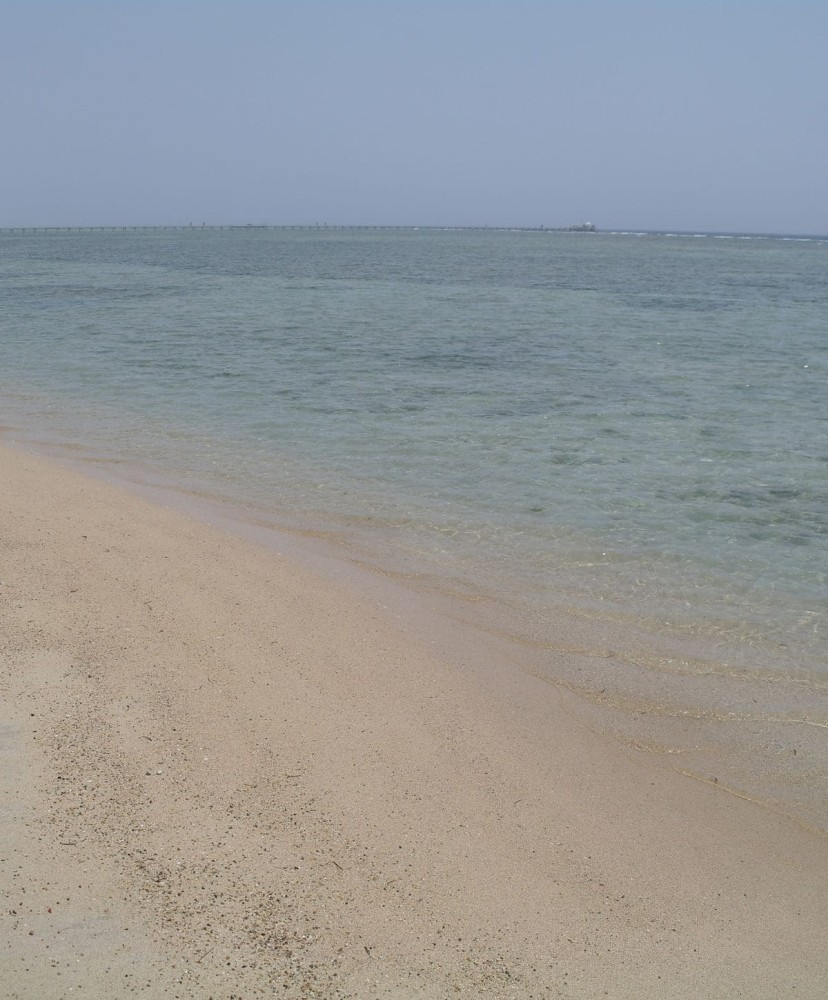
(226, 774)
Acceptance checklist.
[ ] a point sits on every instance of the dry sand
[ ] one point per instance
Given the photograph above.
(226, 775)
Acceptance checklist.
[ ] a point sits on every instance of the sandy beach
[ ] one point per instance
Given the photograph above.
(228, 775)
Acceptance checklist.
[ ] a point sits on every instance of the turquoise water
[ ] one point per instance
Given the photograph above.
(634, 427)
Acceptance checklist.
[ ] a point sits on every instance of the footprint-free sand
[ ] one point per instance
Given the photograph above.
(228, 774)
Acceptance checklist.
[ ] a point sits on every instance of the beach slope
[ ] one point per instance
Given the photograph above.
(225, 775)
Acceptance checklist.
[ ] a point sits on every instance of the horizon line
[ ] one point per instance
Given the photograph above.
(575, 229)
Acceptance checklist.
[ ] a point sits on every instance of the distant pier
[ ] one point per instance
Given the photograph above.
(249, 227)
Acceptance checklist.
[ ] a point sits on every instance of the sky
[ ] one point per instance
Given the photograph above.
(709, 115)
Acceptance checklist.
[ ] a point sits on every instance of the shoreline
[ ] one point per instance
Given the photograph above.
(754, 732)
(284, 788)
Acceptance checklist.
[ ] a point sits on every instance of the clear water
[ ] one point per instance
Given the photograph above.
(634, 427)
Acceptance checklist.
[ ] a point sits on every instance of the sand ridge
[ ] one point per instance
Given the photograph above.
(263, 785)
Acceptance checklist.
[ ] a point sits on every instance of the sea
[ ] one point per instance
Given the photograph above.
(609, 450)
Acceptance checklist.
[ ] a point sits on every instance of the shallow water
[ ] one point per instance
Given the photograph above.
(631, 425)
(610, 449)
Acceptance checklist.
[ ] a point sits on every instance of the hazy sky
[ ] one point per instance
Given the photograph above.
(685, 115)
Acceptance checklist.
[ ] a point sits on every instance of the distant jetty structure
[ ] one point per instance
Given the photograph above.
(582, 227)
